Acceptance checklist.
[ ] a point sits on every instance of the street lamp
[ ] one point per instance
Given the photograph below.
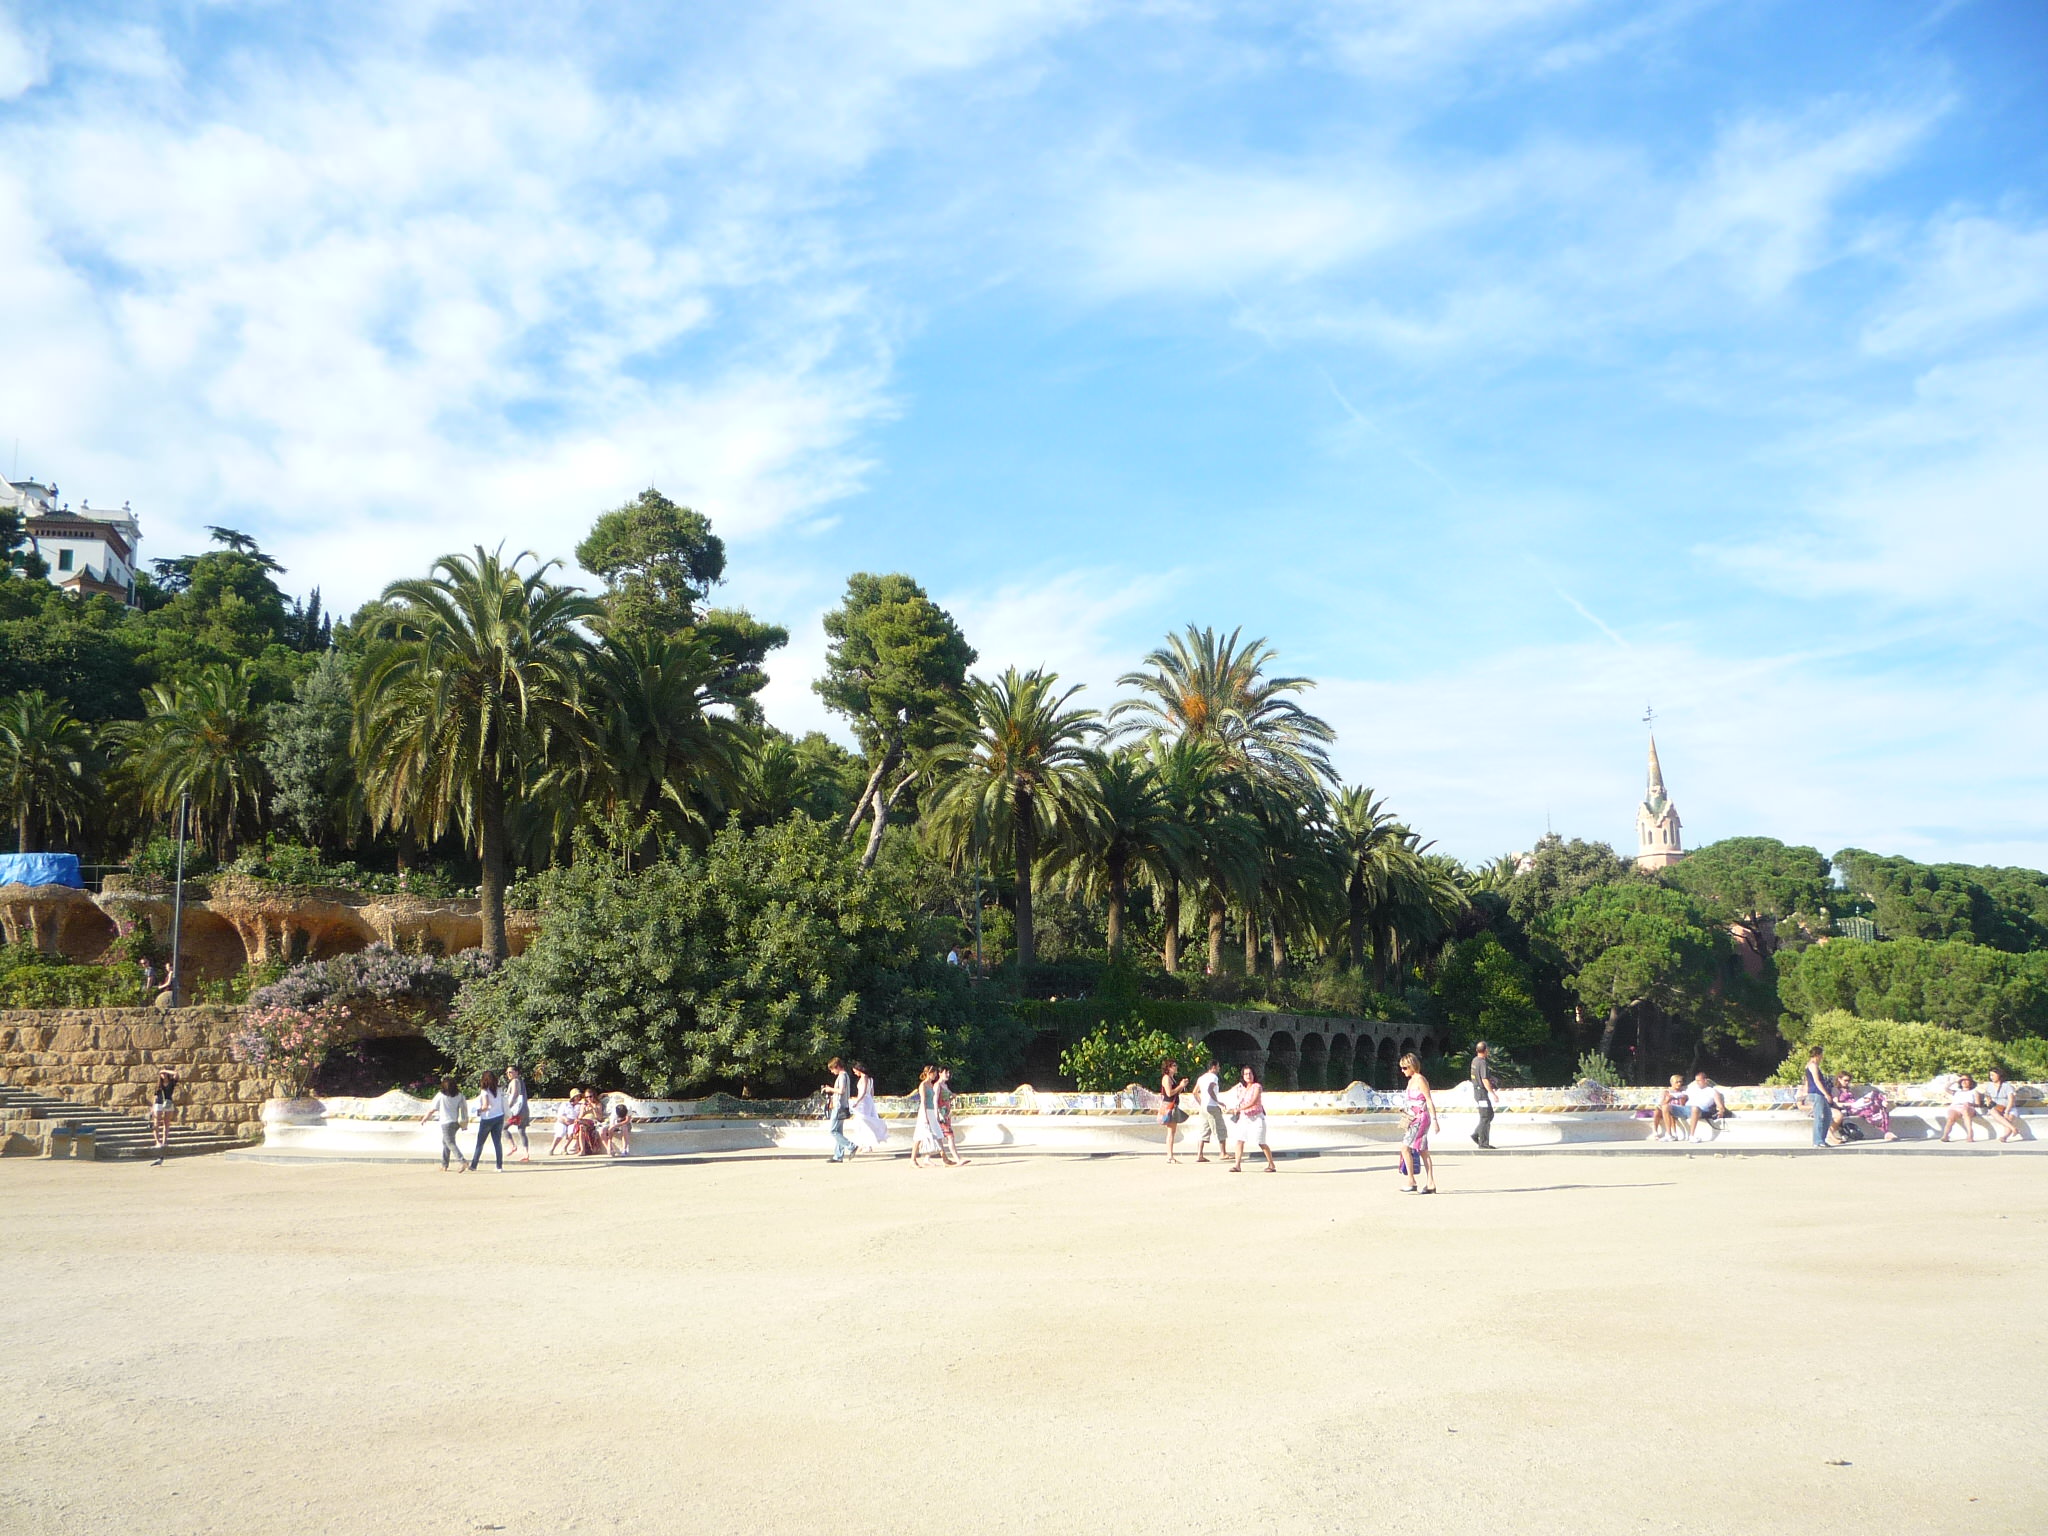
(177, 976)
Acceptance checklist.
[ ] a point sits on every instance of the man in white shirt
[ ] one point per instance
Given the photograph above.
(1209, 1099)
(1704, 1104)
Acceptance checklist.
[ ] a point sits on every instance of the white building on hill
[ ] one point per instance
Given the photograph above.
(1658, 835)
(92, 551)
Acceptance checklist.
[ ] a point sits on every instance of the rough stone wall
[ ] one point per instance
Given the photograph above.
(109, 1057)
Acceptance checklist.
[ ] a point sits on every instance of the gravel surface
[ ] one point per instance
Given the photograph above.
(768, 1343)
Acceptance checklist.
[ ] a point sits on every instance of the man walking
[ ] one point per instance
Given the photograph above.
(1209, 1105)
(1482, 1097)
(841, 1091)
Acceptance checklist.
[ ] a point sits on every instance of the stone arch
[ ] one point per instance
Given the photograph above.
(1234, 1048)
(1315, 1060)
(1428, 1047)
(1338, 1072)
(1283, 1061)
(1385, 1063)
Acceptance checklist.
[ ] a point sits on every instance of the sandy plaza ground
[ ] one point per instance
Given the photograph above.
(1558, 1342)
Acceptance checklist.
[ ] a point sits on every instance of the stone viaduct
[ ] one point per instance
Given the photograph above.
(1304, 1050)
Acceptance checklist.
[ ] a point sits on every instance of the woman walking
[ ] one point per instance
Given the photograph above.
(451, 1109)
(490, 1121)
(1419, 1114)
(864, 1126)
(163, 1108)
(1815, 1087)
(518, 1113)
(926, 1137)
(1171, 1086)
(945, 1097)
(1248, 1124)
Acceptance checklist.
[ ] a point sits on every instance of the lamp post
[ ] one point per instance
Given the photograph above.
(177, 977)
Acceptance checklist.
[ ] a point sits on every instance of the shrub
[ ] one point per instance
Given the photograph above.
(32, 979)
(292, 1042)
(1890, 1051)
(1595, 1068)
(379, 984)
(1121, 1052)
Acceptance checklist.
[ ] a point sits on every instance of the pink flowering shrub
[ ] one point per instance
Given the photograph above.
(291, 1041)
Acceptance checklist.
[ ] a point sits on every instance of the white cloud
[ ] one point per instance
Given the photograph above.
(23, 61)
(1401, 38)
(1971, 272)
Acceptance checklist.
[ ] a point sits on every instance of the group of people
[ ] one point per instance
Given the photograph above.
(856, 1125)
(1837, 1105)
(583, 1129)
(1236, 1117)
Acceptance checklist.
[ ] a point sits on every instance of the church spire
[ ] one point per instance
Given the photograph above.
(1656, 770)
(1659, 839)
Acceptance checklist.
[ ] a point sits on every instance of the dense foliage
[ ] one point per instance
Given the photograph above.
(1889, 1051)
(741, 966)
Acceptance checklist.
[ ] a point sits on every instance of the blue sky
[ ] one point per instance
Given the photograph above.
(1509, 366)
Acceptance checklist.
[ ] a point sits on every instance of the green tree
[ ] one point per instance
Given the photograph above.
(467, 700)
(1756, 882)
(1957, 985)
(896, 662)
(316, 792)
(656, 748)
(1559, 872)
(1123, 828)
(47, 771)
(2003, 908)
(202, 736)
(83, 652)
(1486, 994)
(1215, 689)
(1221, 852)
(781, 776)
(745, 965)
(1008, 775)
(658, 561)
(1634, 945)
(1368, 839)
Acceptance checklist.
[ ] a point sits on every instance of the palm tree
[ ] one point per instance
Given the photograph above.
(657, 748)
(470, 691)
(1215, 690)
(1006, 774)
(1365, 833)
(46, 765)
(1124, 828)
(202, 736)
(1206, 797)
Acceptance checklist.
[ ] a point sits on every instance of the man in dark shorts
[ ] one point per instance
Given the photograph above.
(1482, 1097)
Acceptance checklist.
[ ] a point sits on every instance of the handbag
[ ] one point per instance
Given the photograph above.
(1180, 1116)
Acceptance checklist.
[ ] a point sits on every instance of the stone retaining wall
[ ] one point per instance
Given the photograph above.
(108, 1058)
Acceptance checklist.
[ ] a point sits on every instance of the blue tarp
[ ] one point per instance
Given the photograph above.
(39, 869)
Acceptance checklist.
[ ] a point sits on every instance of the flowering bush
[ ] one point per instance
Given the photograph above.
(292, 1042)
(378, 981)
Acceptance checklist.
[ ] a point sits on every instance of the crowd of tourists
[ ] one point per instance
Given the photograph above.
(1233, 1118)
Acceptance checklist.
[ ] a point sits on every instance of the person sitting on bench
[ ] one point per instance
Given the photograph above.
(1704, 1106)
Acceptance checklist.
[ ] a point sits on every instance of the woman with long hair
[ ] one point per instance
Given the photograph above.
(864, 1126)
(490, 1121)
(926, 1137)
(1418, 1114)
(944, 1095)
(1171, 1086)
(518, 1113)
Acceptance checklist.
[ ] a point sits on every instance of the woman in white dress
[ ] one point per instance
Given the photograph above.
(864, 1126)
(1248, 1123)
(928, 1137)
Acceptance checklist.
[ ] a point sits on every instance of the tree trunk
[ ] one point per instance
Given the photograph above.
(1215, 931)
(1278, 950)
(491, 851)
(1169, 914)
(1607, 1034)
(1251, 940)
(21, 828)
(1357, 933)
(860, 806)
(1379, 961)
(881, 803)
(1117, 893)
(1026, 845)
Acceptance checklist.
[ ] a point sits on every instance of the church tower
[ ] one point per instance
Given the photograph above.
(1657, 831)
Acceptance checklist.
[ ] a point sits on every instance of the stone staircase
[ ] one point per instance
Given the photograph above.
(46, 1122)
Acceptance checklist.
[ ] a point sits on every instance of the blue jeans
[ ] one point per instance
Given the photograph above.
(1823, 1117)
(841, 1147)
(492, 1126)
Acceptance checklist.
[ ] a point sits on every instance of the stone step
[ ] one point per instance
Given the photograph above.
(116, 1137)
